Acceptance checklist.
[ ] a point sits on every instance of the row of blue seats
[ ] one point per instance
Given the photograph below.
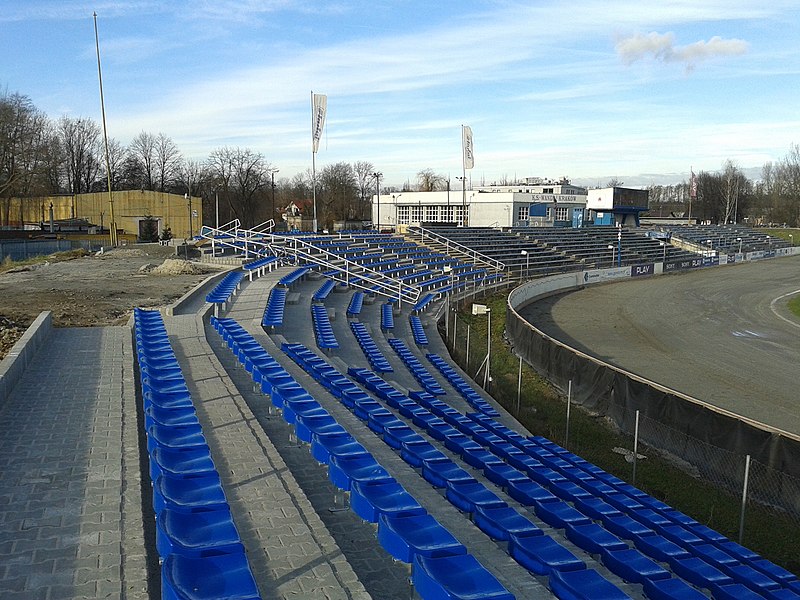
(461, 386)
(290, 278)
(324, 290)
(441, 566)
(698, 554)
(199, 547)
(374, 355)
(225, 288)
(387, 316)
(276, 305)
(420, 373)
(323, 330)
(420, 337)
(356, 304)
(259, 263)
(423, 302)
(529, 479)
(498, 520)
(527, 543)
(405, 529)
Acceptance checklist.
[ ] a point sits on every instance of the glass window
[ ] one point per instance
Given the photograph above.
(402, 214)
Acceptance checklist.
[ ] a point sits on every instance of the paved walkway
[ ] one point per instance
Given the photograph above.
(291, 553)
(70, 496)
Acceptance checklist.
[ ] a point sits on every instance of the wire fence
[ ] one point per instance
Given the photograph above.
(772, 490)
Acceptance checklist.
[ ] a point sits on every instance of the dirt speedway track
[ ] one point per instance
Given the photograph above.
(723, 335)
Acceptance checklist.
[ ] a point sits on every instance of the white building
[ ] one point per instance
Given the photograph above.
(539, 204)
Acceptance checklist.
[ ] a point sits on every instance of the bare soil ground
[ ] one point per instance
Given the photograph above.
(94, 290)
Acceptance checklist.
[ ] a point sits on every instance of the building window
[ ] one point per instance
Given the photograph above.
(402, 214)
(522, 213)
(562, 213)
(547, 190)
(432, 213)
(447, 214)
(416, 214)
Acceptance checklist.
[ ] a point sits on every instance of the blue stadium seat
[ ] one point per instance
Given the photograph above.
(371, 500)
(585, 584)
(454, 577)
(208, 578)
(542, 555)
(405, 537)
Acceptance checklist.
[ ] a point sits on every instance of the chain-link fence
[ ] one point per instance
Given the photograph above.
(511, 384)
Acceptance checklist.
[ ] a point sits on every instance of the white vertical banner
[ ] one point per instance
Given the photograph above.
(466, 141)
(319, 105)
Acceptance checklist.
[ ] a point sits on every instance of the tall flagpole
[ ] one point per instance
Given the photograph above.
(313, 161)
(463, 180)
(113, 223)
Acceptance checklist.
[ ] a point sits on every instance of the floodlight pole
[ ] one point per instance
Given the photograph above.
(113, 223)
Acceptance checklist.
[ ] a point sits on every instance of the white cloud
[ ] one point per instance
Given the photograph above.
(662, 47)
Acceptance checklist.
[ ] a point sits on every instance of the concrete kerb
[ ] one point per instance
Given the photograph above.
(191, 294)
(13, 366)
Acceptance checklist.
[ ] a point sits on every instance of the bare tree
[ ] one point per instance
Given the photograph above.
(730, 192)
(168, 163)
(363, 171)
(338, 193)
(429, 181)
(241, 175)
(614, 182)
(142, 151)
(80, 141)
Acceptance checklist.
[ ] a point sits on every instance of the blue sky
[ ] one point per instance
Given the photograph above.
(639, 90)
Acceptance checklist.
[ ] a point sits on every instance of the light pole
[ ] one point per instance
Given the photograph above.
(664, 246)
(188, 199)
(611, 247)
(527, 261)
(738, 239)
(711, 246)
(377, 175)
(272, 174)
(791, 240)
(463, 181)
(216, 224)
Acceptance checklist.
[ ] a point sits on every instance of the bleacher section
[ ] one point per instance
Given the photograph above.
(540, 251)
(570, 525)
(728, 239)
(196, 538)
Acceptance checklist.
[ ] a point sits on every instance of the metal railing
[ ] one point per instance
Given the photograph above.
(474, 255)
(260, 241)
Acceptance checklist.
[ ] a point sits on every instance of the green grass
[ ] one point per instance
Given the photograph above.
(794, 305)
(7, 264)
(784, 233)
(772, 534)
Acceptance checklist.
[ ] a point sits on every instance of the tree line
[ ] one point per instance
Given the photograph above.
(40, 156)
(729, 196)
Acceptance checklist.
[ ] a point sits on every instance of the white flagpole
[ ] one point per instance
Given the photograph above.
(463, 181)
(313, 163)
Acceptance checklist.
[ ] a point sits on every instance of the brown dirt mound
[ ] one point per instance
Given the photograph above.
(10, 332)
(177, 266)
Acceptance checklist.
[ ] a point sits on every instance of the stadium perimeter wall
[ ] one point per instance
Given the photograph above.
(694, 431)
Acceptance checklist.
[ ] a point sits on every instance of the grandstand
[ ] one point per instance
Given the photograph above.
(328, 446)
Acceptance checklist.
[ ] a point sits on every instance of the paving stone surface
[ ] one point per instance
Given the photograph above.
(291, 552)
(71, 522)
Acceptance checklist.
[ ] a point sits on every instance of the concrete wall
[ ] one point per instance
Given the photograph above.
(13, 366)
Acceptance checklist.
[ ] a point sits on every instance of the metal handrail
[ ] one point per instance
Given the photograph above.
(474, 254)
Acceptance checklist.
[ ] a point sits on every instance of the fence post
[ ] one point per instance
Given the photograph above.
(744, 496)
(635, 446)
(519, 385)
(569, 403)
(466, 361)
